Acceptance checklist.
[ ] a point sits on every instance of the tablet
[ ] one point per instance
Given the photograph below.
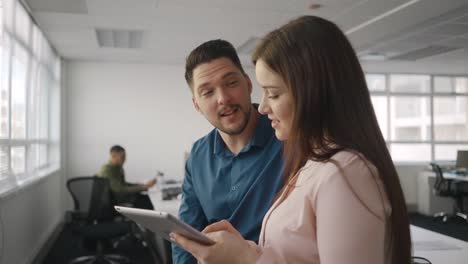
(163, 224)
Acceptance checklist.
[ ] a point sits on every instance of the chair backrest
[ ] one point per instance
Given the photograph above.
(92, 197)
(440, 180)
(80, 189)
(101, 208)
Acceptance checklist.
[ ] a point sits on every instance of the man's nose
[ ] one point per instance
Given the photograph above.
(223, 97)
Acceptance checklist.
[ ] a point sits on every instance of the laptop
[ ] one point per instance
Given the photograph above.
(461, 164)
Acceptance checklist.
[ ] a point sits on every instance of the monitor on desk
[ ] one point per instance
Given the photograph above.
(462, 159)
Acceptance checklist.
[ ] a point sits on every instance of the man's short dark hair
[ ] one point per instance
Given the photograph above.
(117, 149)
(208, 51)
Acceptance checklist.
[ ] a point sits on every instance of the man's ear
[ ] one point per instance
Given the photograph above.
(195, 104)
(249, 83)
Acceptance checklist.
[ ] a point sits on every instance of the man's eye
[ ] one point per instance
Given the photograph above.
(273, 96)
(207, 93)
(232, 83)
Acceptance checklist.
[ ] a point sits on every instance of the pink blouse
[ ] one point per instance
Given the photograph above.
(331, 216)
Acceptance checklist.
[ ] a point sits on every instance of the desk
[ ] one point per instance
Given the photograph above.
(438, 248)
(428, 203)
(169, 206)
(447, 175)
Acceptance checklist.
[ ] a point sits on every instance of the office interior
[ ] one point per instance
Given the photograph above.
(78, 76)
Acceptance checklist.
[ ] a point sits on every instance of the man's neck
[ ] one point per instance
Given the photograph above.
(235, 143)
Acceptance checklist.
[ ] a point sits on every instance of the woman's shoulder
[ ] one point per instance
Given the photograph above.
(338, 164)
(347, 170)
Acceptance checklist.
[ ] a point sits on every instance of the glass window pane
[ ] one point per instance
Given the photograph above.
(444, 84)
(18, 93)
(375, 82)
(1, 19)
(410, 152)
(5, 53)
(54, 113)
(410, 118)
(403, 83)
(43, 113)
(43, 155)
(447, 152)
(4, 162)
(33, 105)
(8, 11)
(33, 157)
(450, 118)
(18, 160)
(461, 85)
(23, 24)
(57, 68)
(37, 41)
(46, 54)
(380, 109)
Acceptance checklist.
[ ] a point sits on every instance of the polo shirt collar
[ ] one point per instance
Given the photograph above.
(260, 138)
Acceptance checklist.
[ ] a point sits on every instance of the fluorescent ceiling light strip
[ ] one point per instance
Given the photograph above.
(377, 18)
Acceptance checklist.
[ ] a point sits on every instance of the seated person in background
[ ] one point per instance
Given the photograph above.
(123, 191)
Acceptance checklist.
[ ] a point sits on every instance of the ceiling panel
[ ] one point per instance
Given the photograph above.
(136, 8)
(83, 38)
(172, 28)
(364, 10)
(448, 29)
(424, 39)
(63, 6)
(49, 21)
(456, 42)
(462, 19)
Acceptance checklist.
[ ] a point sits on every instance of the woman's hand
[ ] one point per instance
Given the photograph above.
(229, 246)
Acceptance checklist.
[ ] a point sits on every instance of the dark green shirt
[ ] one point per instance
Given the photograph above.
(122, 190)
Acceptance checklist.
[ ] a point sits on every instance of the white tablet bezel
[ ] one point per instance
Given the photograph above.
(163, 223)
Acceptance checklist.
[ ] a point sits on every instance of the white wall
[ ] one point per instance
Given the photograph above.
(145, 108)
(28, 218)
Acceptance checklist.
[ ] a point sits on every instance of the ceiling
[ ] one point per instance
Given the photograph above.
(165, 31)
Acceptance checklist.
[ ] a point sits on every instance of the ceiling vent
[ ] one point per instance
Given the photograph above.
(118, 38)
(424, 53)
(248, 47)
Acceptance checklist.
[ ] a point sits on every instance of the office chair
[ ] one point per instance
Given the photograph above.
(450, 188)
(94, 217)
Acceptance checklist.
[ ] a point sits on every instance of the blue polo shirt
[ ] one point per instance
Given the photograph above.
(221, 185)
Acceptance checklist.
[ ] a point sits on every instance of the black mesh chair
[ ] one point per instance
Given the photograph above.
(457, 190)
(94, 217)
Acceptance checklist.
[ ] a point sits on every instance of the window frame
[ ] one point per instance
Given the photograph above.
(431, 95)
(42, 59)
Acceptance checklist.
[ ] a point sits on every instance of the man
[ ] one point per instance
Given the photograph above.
(123, 191)
(233, 172)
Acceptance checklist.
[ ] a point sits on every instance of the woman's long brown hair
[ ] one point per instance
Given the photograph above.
(332, 110)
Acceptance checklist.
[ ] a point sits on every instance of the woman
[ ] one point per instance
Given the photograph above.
(342, 201)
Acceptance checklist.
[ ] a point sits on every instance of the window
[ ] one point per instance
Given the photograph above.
(381, 110)
(422, 117)
(29, 99)
(450, 118)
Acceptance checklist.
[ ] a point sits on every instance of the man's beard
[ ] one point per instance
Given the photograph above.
(236, 131)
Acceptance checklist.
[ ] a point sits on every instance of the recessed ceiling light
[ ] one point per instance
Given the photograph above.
(314, 6)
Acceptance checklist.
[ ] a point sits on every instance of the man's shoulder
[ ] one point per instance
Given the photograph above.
(106, 169)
